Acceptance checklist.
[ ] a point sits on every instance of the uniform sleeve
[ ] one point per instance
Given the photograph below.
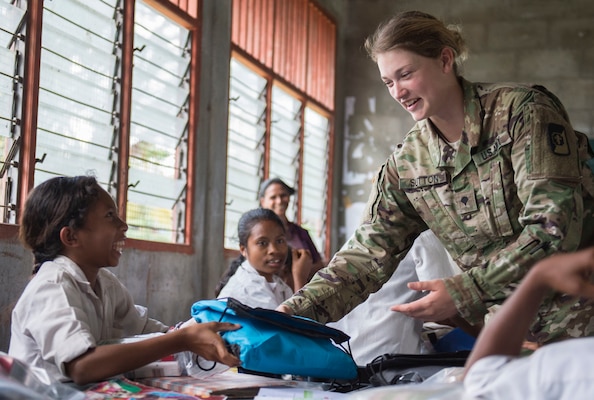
(546, 171)
(390, 225)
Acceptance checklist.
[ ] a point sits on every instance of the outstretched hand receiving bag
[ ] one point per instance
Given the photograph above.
(273, 342)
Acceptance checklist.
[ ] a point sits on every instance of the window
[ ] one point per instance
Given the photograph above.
(114, 98)
(12, 26)
(159, 131)
(315, 180)
(245, 145)
(281, 107)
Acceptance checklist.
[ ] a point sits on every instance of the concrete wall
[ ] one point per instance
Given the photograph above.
(548, 42)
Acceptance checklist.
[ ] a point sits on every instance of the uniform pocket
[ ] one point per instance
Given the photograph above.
(430, 206)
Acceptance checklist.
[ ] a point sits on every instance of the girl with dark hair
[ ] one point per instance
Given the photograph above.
(73, 302)
(253, 278)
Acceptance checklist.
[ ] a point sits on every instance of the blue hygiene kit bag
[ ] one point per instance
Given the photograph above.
(273, 342)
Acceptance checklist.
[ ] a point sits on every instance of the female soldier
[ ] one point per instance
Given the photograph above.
(494, 170)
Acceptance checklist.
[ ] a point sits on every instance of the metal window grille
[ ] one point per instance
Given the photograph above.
(292, 43)
(316, 150)
(12, 28)
(245, 146)
(159, 128)
(77, 121)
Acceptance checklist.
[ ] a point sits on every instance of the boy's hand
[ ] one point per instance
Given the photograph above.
(204, 339)
(569, 273)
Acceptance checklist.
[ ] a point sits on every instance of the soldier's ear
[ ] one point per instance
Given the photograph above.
(447, 59)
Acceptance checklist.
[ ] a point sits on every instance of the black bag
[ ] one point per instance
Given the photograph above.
(398, 369)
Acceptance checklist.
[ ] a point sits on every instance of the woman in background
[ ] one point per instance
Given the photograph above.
(275, 195)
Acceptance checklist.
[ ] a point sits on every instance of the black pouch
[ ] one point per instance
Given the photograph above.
(399, 369)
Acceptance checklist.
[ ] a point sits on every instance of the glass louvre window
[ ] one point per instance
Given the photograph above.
(293, 45)
(76, 131)
(297, 144)
(285, 141)
(159, 128)
(11, 67)
(245, 146)
(316, 147)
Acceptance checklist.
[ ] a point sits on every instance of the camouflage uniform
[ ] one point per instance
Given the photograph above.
(516, 190)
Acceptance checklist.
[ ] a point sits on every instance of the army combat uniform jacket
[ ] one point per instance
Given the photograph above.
(515, 190)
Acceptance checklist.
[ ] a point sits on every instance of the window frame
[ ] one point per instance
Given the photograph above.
(292, 44)
(306, 101)
(184, 14)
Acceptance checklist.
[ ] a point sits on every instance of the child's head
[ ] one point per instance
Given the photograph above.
(262, 241)
(61, 212)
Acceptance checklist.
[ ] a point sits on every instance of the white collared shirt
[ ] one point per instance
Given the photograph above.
(59, 316)
(252, 289)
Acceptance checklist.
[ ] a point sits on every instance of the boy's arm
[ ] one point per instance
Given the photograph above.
(106, 361)
(504, 334)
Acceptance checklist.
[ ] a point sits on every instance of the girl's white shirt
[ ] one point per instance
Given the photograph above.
(59, 316)
(252, 289)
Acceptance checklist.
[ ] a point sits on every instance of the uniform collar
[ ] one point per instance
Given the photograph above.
(473, 114)
(440, 151)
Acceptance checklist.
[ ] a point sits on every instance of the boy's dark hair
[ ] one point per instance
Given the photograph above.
(54, 204)
(244, 228)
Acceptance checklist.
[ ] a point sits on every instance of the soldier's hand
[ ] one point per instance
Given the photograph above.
(435, 306)
(284, 309)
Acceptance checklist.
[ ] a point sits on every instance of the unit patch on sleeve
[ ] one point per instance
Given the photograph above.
(558, 140)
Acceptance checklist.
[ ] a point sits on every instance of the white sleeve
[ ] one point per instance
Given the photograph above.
(432, 259)
(51, 326)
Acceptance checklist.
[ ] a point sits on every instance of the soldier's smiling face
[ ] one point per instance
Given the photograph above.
(419, 84)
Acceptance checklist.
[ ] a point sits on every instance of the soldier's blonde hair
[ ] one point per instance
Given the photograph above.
(420, 33)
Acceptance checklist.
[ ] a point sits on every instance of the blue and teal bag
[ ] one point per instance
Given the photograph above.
(277, 343)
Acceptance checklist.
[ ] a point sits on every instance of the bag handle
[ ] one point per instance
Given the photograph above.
(293, 323)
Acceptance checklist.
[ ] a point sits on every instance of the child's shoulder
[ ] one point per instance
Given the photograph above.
(59, 269)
